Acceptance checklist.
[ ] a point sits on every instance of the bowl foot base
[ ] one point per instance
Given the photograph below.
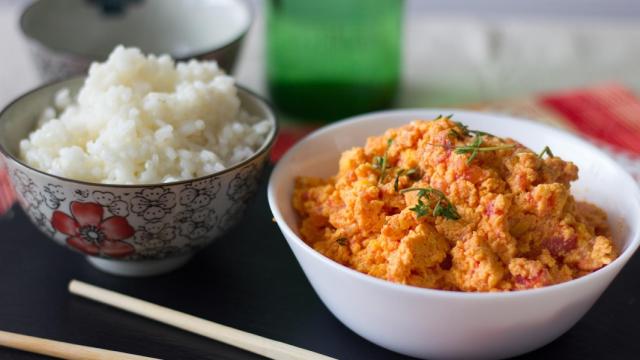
(139, 268)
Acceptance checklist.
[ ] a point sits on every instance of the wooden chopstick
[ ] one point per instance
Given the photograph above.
(228, 335)
(62, 350)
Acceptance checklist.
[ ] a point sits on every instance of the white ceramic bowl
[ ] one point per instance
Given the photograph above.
(65, 36)
(440, 324)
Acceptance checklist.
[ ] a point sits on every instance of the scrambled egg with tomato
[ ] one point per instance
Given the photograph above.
(436, 205)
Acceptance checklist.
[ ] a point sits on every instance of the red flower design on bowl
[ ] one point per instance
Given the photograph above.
(90, 233)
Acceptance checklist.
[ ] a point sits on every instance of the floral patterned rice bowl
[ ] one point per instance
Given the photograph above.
(131, 230)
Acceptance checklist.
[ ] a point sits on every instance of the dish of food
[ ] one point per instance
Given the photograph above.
(152, 162)
(143, 120)
(435, 204)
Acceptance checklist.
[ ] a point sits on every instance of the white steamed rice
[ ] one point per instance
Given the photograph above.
(140, 120)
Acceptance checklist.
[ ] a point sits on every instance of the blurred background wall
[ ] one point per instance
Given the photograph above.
(455, 51)
(616, 9)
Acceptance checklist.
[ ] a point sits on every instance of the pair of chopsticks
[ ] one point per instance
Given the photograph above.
(228, 335)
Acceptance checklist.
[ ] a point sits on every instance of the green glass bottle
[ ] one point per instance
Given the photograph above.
(327, 59)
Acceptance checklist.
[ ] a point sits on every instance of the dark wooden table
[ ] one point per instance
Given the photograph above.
(249, 280)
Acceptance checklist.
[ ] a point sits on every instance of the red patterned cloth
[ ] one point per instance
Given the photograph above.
(6, 193)
(607, 114)
(288, 136)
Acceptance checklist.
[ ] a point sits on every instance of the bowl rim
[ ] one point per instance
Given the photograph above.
(293, 238)
(81, 55)
(264, 148)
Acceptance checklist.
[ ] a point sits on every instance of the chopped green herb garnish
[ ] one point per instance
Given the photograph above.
(455, 134)
(448, 117)
(421, 209)
(547, 151)
(435, 203)
(475, 147)
(398, 174)
(464, 129)
(411, 173)
(382, 162)
(448, 210)
(378, 161)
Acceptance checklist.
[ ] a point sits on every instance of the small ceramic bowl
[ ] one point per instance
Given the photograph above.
(132, 230)
(428, 323)
(67, 35)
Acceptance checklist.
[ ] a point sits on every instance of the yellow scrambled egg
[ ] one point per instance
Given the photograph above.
(436, 205)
